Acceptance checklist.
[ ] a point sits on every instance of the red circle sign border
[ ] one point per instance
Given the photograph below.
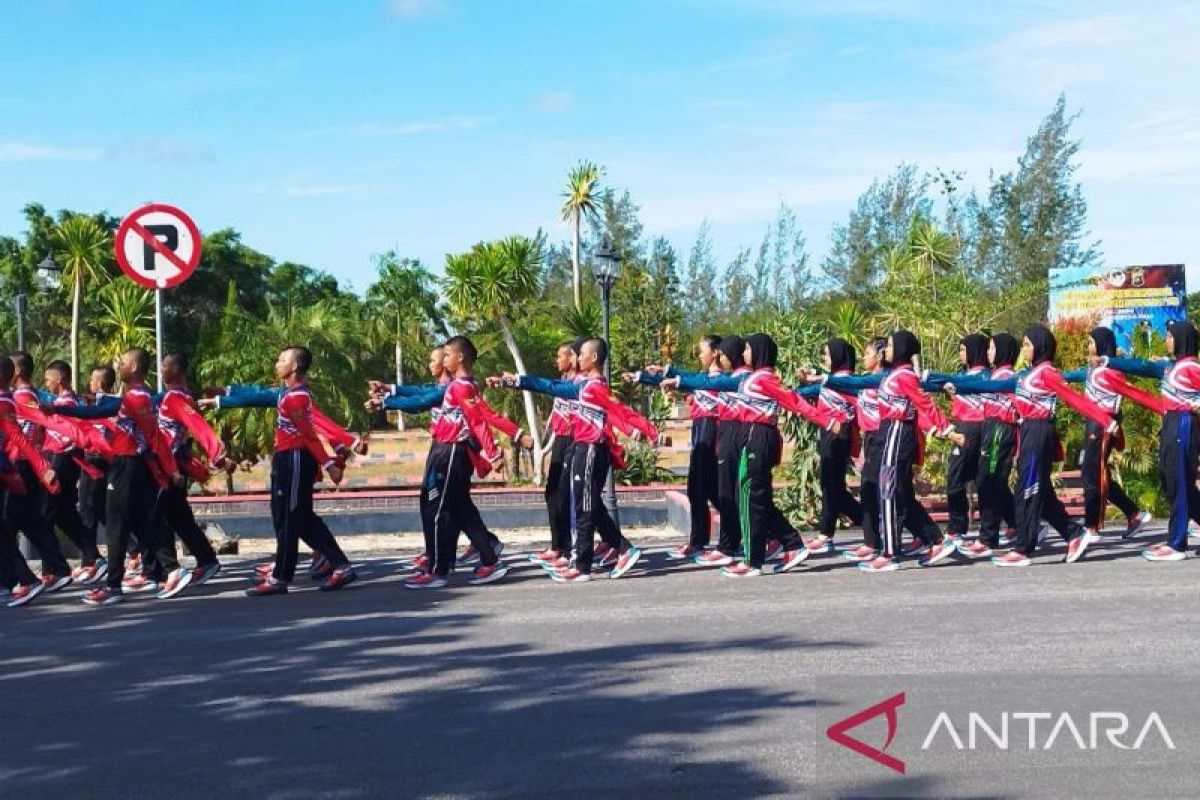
(126, 228)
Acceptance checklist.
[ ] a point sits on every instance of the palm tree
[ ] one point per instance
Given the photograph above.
(580, 201)
(404, 305)
(487, 283)
(127, 318)
(83, 247)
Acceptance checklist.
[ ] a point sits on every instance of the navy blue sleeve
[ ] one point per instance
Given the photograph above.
(107, 406)
(694, 381)
(1140, 367)
(416, 402)
(567, 390)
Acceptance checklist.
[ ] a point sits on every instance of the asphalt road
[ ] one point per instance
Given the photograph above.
(669, 682)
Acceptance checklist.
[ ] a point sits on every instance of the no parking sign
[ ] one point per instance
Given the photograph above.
(158, 246)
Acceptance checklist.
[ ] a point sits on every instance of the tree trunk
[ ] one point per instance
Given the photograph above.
(399, 372)
(576, 276)
(76, 299)
(531, 419)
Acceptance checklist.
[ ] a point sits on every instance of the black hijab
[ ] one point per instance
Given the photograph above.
(734, 349)
(977, 347)
(1007, 348)
(1106, 341)
(841, 355)
(1045, 346)
(763, 351)
(904, 347)
(1186, 339)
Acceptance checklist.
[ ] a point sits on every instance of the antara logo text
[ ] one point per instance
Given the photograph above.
(1008, 730)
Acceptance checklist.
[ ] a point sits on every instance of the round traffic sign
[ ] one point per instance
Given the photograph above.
(158, 246)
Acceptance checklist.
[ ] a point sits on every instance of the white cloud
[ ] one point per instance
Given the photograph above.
(27, 151)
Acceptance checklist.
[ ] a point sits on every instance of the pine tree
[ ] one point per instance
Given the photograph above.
(700, 301)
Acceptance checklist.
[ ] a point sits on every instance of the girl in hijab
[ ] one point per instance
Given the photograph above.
(905, 411)
(1179, 439)
(1037, 393)
(835, 450)
(1106, 387)
(967, 412)
(998, 445)
(703, 406)
(874, 363)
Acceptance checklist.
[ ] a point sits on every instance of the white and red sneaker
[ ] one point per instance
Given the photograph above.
(1136, 523)
(202, 575)
(562, 562)
(607, 559)
(975, 549)
(53, 583)
(488, 574)
(713, 558)
(947, 547)
(421, 563)
(545, 556)
(626, 561)
(861, 553)
(176, 582)
(320, 567)
(139, 583)
(1012, 559)
(740, 570)
(1163, 552)
(103, 596)
(792, 559)
(339, 578)
(469, 556)
(267, 587)
(427, 581)
(23, 594)
(1079, 544)
(819, 545)
(914, 549)
(879, 564)
(570, 575)
(684, 552)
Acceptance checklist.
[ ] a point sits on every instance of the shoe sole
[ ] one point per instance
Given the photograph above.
(1009, 564)
(942, 555)
(408, 585)
(618, 572)
(1149, 557)
(58, 585)
(208, 576)
(890, 568)
(495, 576)
(26, 600)
(1078, 554)
(788, 566)
(112, 601)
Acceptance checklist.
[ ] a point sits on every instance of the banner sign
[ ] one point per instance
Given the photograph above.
(1133, 301)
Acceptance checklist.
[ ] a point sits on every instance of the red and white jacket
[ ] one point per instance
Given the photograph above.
(561, 422)
(14, 447)
(705, 403)
(598, 409)
(1039, 389)
(294, 428)
(901, 398)
(763, 394)
(136, 430)
(969, 407)
(867, 406)
(730, 404)
(1106, 387)
(1000, 406)
(844, 406)
(462, 418)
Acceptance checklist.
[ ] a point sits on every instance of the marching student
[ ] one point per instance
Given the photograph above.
(1037, 393)
(462, 441)
(411, 399)
(967, 412)
(141, 457)
(561, 425)
(905, 413)
(593, 455)
(16, 579)
(1179, 438)
(997, 449)
(761, 395)
(24, 510)
(299, 456)
(93, 483)
(703, 405)
(1106, 387)
(835, 449)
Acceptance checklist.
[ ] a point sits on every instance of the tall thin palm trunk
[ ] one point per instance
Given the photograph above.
(399, 370)
(76, 300)
(530, 412)
(575, 273)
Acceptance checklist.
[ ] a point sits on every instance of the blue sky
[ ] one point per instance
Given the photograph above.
(327, 132)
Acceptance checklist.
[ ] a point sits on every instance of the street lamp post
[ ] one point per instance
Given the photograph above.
(608, 269)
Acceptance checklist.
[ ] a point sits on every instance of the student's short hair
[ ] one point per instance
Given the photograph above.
(713, 341)
(303, 357)
(22, 363)
(568, 345)
(141, 359)
(6, 369)
(108, 376)
(601, 348)
(179, 358)
(465, 346)
(62, 368)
